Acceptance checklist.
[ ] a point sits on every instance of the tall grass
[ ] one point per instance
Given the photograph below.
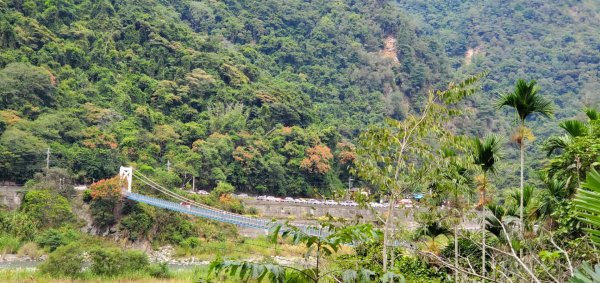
(178, 276)
(240, 249)
(9, 244)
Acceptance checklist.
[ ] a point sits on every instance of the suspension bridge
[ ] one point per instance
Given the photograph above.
(191, 207)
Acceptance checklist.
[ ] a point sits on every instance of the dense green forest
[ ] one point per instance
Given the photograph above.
(555, 43)
(252, 94)
(294, 98)
(236, 90)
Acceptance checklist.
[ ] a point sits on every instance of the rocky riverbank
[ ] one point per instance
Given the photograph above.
(163, 254)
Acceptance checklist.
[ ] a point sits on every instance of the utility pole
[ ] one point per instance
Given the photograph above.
(349, 185)
(47, 159)
(168, 165)
(193, 183)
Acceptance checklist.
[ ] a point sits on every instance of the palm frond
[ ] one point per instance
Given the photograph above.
(592, 113)
(528, 192)
(554, 144)
(246, 271)
(585, 274)
(587, 202)
(458, 91)
(526, 100)
(575, 128)
(487, 152)
(494, 221)
(557, 188)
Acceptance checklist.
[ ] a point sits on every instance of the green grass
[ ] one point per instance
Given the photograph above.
(240, 249)
(182, 275)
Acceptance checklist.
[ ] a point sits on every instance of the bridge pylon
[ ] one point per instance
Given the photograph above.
(126, 173)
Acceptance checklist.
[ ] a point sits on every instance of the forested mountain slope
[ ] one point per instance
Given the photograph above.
(553, 42)
(256, 93)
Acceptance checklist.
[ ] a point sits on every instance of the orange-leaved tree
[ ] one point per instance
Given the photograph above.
(346, 152)
(106, 195)
(107, 188)
(317, 159)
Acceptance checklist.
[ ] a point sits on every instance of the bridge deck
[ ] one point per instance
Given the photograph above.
(216, 214)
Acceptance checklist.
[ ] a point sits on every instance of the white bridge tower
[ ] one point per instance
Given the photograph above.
(126, 173)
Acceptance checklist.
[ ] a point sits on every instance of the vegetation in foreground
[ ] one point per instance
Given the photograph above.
(534, 234)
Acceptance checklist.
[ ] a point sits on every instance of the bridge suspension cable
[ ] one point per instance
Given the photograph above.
(204, 210)
(168, 192)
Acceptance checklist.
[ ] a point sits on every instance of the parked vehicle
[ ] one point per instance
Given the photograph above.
(376, 205)
(405, 202)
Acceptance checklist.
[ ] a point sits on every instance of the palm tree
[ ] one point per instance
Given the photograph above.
(557, 144)
(526, 100)
(530, 204)
(574, 128)
(454, 174)
(486, 154)
(549, 200)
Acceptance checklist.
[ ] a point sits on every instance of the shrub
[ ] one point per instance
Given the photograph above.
(87, 196)
(135, 260)
(64, 261)
(22, 226)
(214, 232)
(9, 244)
(48, 208)
(417, 270)
(160, 270)
(223, 188)
(106, 261)
(31, 250)
(252, 210)
(5, 222)
(113, 261)
(174, 228)
(233, 205)
(103, 212)
(138, 222)
(54, 238)
(191, 243)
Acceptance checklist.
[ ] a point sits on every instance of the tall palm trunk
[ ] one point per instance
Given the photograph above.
(457, 207)
(386, 235)
(522, 148)
(483, 225)
(456, 253)
(483, 241)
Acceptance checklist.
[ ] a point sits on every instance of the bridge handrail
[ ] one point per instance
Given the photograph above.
(218, 215)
